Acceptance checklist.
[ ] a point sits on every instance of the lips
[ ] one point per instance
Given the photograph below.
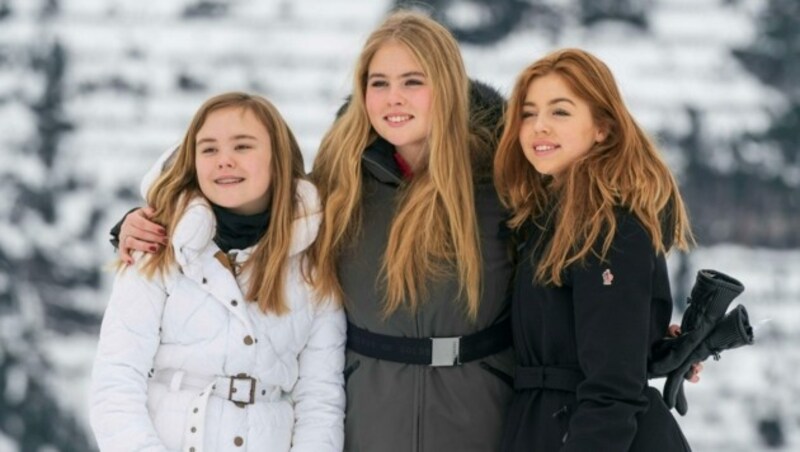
(398, 119)
(228, 180)
(544, 148)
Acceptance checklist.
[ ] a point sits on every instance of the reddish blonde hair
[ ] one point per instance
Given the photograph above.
(624, 170)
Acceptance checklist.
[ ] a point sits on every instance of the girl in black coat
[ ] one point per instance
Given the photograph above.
(595, 209)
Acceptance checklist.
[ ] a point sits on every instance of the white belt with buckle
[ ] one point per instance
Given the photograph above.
(241, 389)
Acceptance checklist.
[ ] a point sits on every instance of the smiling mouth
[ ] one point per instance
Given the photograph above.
(543, 149)
(228, 180)
(398, 119)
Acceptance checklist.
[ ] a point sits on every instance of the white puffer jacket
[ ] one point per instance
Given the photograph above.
(167, 346)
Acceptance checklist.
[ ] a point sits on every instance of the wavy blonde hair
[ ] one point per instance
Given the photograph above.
(177, 185)
(434, 228)
(624, 170)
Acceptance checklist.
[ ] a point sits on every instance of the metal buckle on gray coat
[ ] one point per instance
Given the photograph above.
(445, 351)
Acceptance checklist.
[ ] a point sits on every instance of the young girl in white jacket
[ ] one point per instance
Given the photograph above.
(217, 342)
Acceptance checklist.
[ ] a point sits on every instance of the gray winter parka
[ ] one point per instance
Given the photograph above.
(397, 407)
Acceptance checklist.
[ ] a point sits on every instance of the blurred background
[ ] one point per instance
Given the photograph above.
(91, 91)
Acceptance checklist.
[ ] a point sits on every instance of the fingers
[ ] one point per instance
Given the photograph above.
(129, 244)
(138, 233)
(139, 225)
(694, 372)
(674, 330)
(124, 252)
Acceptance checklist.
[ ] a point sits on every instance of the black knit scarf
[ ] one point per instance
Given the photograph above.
(237, 232)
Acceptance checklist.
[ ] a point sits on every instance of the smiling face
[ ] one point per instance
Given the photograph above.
(557, 127)
(398, 100)
(232, 157)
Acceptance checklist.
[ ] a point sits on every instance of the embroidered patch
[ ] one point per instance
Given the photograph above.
(608, 277)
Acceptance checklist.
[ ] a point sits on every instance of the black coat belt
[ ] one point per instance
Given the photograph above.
(430, 351)
(543, 377)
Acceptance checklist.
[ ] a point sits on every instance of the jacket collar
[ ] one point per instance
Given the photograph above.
(378, 160)
(195, 250)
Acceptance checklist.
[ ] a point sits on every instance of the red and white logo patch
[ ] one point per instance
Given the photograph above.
(608, 277)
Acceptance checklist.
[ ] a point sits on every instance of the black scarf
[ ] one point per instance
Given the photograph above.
(237, 232)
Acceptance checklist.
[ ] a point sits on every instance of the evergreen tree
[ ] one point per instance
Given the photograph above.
(774, 58)
(40, 285)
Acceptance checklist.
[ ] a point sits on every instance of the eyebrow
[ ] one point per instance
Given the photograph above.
(405, 75)
(236, 137)
(554, 101)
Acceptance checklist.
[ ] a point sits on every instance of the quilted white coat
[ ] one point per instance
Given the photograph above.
(165, 341)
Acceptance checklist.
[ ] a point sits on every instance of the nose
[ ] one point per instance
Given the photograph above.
(395, 96)
(225, 160)
(540, 125)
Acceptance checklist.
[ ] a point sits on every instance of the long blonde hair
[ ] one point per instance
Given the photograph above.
(434, 228)
(624, 170)
(177, 185)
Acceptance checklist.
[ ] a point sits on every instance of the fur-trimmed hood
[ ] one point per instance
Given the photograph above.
(486, 109)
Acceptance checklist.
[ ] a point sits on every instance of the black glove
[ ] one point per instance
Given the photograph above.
(732, 331)
(711, 295)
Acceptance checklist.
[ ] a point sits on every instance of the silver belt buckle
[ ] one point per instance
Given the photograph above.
(445, 351)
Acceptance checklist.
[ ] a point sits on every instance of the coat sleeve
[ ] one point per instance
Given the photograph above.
(611, 302)
(129, 338)
(319, 392)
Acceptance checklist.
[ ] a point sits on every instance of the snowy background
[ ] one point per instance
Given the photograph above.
(91, 91)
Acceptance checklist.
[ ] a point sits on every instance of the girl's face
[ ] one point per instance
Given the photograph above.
(557, 127)
(233, 158)
(398, 100)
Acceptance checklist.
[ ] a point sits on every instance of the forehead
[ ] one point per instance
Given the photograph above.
(233, 120)
(393, 56)
(547, 87)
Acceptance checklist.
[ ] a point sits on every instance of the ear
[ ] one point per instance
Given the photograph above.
(600, 134)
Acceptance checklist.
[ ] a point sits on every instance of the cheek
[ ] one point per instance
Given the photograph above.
(524, 132)
(588, 141)
(264, 173)
(200, 171)
(371, 103)
(425, 102)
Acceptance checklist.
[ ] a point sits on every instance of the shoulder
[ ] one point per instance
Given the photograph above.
(307, 198)
(307, 217)
(631, 232)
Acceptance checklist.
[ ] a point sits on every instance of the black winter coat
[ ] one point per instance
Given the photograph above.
(599, 325)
